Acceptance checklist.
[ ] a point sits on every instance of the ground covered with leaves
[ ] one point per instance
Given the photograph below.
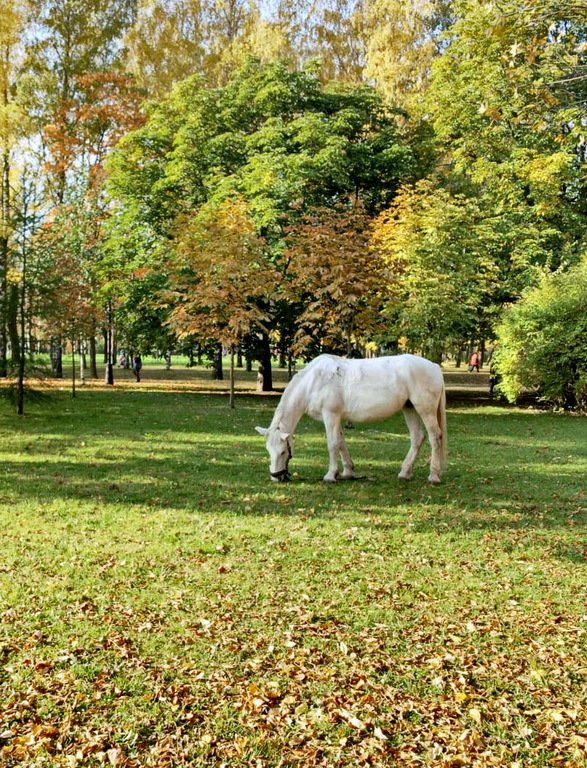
(164, 604)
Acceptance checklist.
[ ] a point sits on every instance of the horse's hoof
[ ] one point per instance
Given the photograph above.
(434, 480)
(327, 479)
(405, 478)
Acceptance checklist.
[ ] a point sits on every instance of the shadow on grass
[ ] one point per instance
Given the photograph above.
(508, 469)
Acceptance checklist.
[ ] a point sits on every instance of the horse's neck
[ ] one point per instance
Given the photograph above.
(291, 408)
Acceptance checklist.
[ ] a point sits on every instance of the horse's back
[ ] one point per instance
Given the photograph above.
(370, 389)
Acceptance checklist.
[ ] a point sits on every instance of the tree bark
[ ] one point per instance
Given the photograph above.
(56, 358)
(93, 361)
(217, 364)
(266, 364)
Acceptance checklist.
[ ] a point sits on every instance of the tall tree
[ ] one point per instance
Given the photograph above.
(442, 281)
(506, 103)
(12, 121)
(403, 38)
(221, 279)
(165, 44)
(69, 39)
(336, 279)
(277, 138)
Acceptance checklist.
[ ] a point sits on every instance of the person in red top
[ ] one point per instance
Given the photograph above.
(474, 362)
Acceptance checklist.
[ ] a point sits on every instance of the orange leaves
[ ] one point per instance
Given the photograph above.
(220, 275)
(336, 277)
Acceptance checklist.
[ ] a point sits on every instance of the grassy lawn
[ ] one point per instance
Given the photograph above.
(162, 603)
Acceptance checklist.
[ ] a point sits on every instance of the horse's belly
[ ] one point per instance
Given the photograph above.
(373, 408)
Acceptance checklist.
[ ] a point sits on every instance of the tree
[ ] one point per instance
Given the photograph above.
(221, 280)
(507, 114)
(505, 200)
(443, 277)
(335, 279)
(69, 40)
(71, 243)
(542, 341)
(12, 120)
(278, 139)
(165, 44)
(403, 40)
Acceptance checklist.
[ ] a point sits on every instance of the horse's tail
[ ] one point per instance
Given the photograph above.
(441, 416)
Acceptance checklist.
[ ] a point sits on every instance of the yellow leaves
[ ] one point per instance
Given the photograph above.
(14, 276)
(475, 715)
(491, 112)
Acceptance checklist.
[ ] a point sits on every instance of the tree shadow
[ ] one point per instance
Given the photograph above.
(508, 470)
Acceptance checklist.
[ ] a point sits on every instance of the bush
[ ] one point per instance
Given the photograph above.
(542, 341)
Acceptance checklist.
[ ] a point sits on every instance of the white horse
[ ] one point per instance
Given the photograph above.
(333, 389)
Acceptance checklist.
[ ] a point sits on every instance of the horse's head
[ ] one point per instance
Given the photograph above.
(280, 448)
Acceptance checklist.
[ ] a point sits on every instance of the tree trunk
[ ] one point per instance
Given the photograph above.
(266, 364)
(231, 395)
(73, 368)
(4, 219)
(12, 318)
(109, 369)
(217, 364)
(56, 358)
(93, 361)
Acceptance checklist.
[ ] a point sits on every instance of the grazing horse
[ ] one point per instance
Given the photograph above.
(333, 389)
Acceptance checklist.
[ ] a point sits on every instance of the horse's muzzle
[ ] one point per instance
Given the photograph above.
(282, 476)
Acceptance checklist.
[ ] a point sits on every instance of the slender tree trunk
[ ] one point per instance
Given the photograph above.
(56, 358)
(73, 368)
(217, 365)
(12, 321)
(266, 364)
(108, 353)
(4, 250)
(231, 395)
(22, 319)
(93, 360)
(82, 362)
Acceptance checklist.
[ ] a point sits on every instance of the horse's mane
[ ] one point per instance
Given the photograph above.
(292, 395)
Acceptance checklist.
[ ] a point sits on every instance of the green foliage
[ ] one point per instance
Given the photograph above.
(441, 271)
(275, 138)
(542, 341)
(512, 131)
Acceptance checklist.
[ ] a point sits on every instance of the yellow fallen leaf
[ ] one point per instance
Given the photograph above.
(352, 720)
(475, 715)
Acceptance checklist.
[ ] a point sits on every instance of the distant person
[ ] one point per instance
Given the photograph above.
(122, 360)
(474, 362)
(137, 364)
(493, 379)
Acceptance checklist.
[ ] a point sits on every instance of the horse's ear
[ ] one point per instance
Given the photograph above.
(262, 431)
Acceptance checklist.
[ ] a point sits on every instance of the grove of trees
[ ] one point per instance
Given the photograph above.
(296, 176)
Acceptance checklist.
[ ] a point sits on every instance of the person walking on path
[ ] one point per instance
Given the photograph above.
(474, 362)
(137, 364)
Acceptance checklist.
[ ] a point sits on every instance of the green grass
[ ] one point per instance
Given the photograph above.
(163, 603)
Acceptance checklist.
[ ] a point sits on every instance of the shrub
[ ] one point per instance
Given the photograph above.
(542, 341)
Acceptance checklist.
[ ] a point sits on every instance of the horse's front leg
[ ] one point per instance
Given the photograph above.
(336, 446)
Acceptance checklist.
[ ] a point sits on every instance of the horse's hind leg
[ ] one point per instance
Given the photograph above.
(435, 437)
(417, 435)
(348, 468)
